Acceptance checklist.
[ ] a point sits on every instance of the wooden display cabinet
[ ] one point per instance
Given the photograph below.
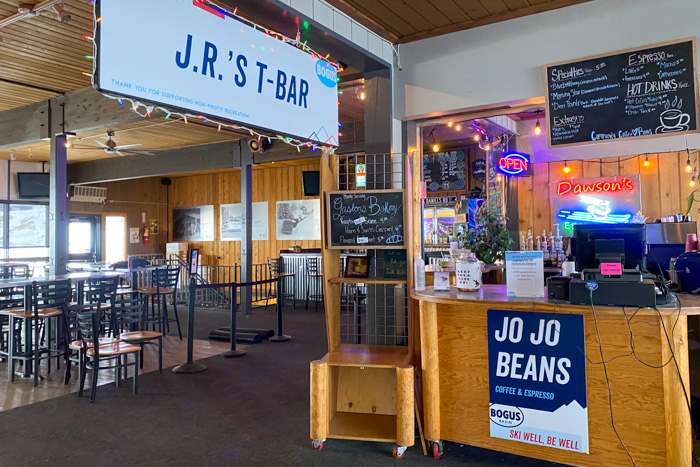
(360, 392)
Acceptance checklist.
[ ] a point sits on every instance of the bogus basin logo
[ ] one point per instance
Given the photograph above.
(537, 379)
(327, 73)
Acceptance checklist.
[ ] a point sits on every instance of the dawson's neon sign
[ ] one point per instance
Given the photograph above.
(514, 164)
(571, 187)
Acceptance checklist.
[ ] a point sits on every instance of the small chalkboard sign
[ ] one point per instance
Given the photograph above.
(445, 171)
(395, 264)
(636, 93)
(479, 170)
(365, 219)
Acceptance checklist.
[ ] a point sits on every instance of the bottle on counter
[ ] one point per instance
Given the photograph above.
(523, 244)
(537, 243)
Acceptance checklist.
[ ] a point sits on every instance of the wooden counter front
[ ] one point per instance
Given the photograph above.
(649, 404)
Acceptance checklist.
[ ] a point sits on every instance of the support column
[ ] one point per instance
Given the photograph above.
(246, 227)
(58, 206)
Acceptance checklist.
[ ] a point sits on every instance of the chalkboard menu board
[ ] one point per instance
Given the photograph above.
(636, 93)
(479, 170)
(445, 171)
(365, 219)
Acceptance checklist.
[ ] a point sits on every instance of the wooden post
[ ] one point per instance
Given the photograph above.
(679, 436)
(431, 370)
(319, 400)
(405, 426)
(330, 258)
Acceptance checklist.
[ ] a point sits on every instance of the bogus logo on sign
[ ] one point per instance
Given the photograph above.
(507, 416)
(327, 73)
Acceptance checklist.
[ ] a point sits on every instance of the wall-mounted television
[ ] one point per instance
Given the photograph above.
(312, 183)
(33, 185)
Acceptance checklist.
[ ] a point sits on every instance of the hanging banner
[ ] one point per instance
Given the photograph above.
(188, 56)
(601, 200)
(537, 379)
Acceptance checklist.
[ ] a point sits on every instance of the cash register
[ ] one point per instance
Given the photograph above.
(611, 259)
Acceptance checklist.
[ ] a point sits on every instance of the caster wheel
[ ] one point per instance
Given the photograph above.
(316, 445)
(399, 452)
(437, 450)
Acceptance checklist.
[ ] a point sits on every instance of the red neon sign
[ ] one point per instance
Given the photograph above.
(512, 164)
(571, 187)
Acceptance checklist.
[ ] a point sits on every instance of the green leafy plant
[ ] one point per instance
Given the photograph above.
(691, 199)
(490, 241)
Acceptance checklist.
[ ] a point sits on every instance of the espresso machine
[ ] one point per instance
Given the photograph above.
(665, 241)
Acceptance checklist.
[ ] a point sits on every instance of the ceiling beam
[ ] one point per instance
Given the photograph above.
(495, 18)
(204, 158)
(84, 110)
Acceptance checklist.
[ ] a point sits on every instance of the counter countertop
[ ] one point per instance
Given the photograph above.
(496, 293)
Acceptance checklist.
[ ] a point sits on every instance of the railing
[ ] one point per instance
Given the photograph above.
(219, 296)
(154, 259)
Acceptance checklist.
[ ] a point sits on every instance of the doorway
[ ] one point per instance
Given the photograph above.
(84, 237)
(115, 239)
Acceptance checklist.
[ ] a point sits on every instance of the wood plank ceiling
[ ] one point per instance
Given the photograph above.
(402, 21)
(42, 58)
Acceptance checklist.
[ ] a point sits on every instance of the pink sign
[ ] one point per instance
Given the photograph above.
(611, 269)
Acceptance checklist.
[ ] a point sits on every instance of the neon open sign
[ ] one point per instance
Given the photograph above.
(515, 164)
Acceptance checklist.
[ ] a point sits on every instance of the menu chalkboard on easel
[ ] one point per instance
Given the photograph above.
(365, 219)
(636, 93)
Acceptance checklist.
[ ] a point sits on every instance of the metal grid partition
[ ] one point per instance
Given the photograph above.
(375, 314)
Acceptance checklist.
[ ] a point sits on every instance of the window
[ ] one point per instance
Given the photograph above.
(28, 225)
(24, 230)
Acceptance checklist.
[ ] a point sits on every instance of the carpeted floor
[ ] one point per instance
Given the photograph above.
(252, 410)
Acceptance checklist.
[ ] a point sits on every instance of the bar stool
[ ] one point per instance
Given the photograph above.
(164, 282)
(273, 267)
(313, 274)
(48, 304)
(12, 297)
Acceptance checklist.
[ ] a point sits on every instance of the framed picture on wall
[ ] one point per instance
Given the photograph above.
(357, 266)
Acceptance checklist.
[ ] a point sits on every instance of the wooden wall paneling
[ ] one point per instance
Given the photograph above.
(591, 168)
(669, 181)
(649, 179)
(525, 202)
(685, 187)
(632, 165)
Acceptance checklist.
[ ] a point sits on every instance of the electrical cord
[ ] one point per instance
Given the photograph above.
(607, 380)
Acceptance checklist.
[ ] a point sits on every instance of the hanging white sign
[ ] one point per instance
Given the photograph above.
(187, 56)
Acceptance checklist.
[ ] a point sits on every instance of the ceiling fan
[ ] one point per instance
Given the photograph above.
(111, 147)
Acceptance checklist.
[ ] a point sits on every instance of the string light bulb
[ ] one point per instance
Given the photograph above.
(487, 147)
(458, 127)
(566, 169)
(450, 123)
(688, 165)
(362, 96)
(498, 178)
(538, 127)
(693, 182)
(436, 147)
(646, 161)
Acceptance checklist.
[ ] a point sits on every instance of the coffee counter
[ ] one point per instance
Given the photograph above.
(649, 404)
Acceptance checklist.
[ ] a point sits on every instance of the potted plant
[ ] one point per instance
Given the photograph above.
(490, 241)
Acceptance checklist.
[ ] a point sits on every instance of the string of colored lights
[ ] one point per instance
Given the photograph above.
(146, 109)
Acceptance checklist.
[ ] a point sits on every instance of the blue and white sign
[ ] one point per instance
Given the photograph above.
(185, 55)
(537, 379)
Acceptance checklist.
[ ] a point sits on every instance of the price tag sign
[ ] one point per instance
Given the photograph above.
(361, 175)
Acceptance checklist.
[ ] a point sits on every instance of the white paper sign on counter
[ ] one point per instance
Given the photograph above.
(525, 274)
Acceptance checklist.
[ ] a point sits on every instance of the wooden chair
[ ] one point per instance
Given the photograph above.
(164, 283)
(313, 274)
(49, 301)
(93, 354)
(130, 316)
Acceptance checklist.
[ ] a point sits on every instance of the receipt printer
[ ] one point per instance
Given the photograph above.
(558, 287)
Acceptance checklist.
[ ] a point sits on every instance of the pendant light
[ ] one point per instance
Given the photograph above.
(538, 127)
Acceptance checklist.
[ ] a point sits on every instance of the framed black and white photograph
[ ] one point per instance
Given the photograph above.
(232, 221)
(299, 219)
(194, 224)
